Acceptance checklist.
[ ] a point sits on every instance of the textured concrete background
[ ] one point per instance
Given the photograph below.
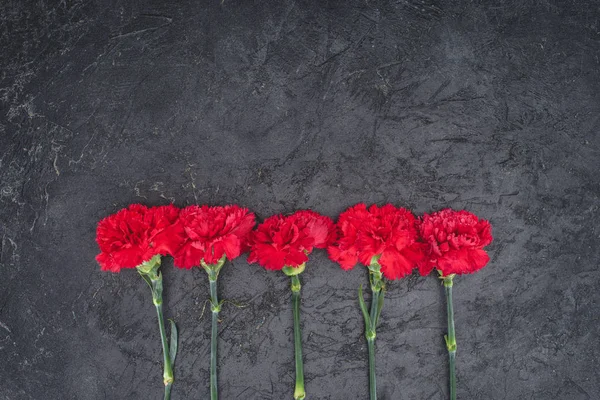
(283, 105)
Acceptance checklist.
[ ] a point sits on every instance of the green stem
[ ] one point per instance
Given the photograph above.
(377, 289)
(370, 335)
(216, 307)
(451, 337)
(149, 272)
(299, 392)
(451, 363)
(168, 391)
(372, 380)
(168, 369)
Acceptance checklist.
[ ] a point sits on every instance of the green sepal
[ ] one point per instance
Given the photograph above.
(150, 267)
(213, 269)
(291, 271)
(157, 289)
(375, 275)
(295, 285)
(448, 279)
(173, 342)
(146, 278)
(158, 283)
(374, 265)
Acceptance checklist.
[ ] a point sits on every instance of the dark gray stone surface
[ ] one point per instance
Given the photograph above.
(283, 105)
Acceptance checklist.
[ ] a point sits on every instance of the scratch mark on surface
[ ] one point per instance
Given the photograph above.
(83, 150)
(55, 165)
(152, 28)
(3, 325)
(34, 221)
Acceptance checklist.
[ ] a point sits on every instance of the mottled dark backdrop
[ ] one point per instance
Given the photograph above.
(492, 106)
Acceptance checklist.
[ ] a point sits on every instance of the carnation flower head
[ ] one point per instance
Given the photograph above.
(134, 235)
(388, 232)
(454, 242)
(285, 241)
(316, 226)
(208, 233)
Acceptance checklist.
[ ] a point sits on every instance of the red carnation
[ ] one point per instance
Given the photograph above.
(454, 242)
(286, 241)
(208, 233)
(385, 240)
(210, 236)
(388, 232)
(134, 235)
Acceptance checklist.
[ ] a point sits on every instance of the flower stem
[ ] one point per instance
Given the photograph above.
(215, 307)
(372, 319)
(299, 392)
(213, 273)
(370, 334)
(451, 337)
(168, 391)
(372, 379)
(149, 272)
(168, 368)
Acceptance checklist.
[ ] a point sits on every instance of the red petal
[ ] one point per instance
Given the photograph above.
(394, 265)
(232, 246)
(188, 257)
(295, 258)
(479, 258)
(346, 259)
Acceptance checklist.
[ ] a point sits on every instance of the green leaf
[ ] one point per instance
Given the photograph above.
(379, 307)
(173, 343)
(363, 307)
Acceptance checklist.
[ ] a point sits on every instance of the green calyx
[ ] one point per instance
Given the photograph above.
(295, 285)
(292, 271)
(447, 280)
(213, 269)
(374, 266)
(213, 273)
(149, 272)
(150, 267)
(375, 275)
